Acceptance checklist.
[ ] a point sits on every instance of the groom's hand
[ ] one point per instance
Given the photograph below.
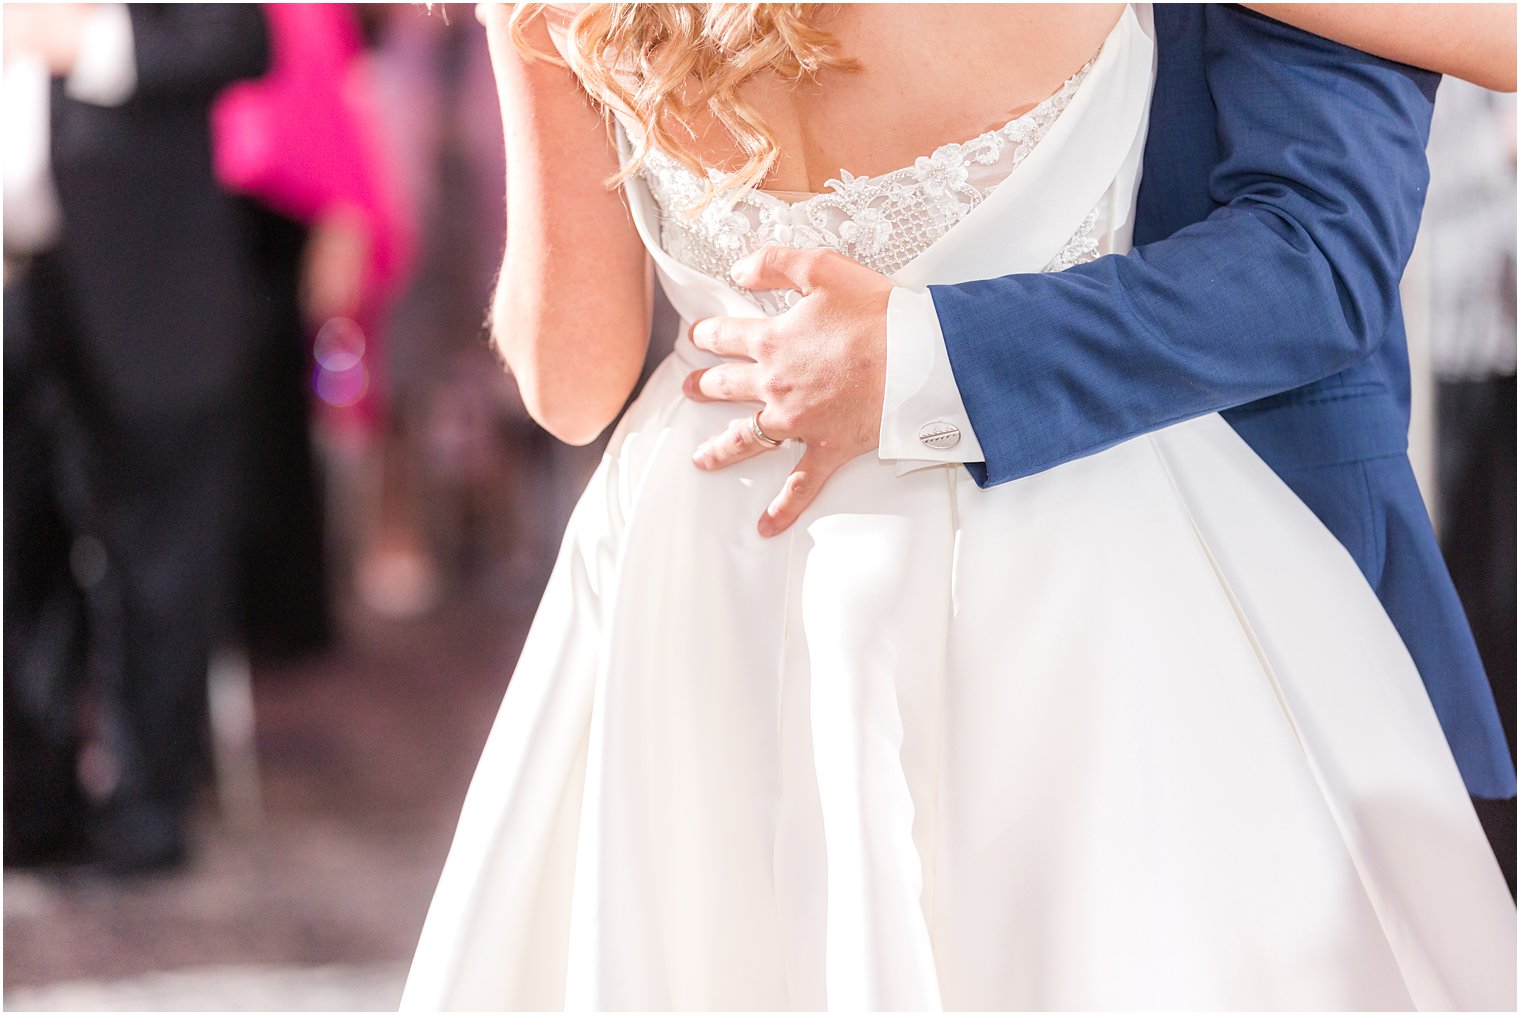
(819, 369)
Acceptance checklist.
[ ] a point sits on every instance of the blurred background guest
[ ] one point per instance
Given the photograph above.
(139, 320)
(330, 248)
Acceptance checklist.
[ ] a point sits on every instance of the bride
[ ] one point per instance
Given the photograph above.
(1130, 733)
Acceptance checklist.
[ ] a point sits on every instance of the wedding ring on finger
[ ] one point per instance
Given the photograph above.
(765, 439)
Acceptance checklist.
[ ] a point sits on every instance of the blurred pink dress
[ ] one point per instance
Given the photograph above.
(304, 140)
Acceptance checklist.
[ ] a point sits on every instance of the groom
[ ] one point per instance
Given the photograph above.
(1283, 181)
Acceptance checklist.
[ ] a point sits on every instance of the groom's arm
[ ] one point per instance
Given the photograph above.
(1294, 276)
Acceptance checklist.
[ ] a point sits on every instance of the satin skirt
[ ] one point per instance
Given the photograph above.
(1131, 733)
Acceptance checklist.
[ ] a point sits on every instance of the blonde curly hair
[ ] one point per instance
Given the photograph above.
(663, 63)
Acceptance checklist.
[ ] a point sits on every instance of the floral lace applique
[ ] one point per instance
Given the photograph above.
(1083, 245)
(883, 221)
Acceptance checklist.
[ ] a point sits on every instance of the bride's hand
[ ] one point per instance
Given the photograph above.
(819, 369)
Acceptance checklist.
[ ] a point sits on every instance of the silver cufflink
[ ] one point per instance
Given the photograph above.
(940, 435)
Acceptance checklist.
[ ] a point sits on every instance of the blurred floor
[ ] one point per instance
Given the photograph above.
(365, 758)
(235, 988)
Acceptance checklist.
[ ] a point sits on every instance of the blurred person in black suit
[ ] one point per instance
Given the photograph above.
(133, 318)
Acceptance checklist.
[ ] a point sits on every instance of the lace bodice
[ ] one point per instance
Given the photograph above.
(882, 221)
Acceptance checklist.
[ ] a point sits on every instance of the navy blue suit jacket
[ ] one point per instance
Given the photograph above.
(1282, 187)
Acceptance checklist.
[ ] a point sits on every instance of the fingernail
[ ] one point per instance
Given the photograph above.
(740, 270)
(699, 459)
(767, 527)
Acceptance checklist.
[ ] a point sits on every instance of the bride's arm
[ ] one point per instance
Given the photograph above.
(1475, 42)
(571, 311)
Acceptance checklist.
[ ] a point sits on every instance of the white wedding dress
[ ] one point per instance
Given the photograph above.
(1131, 733)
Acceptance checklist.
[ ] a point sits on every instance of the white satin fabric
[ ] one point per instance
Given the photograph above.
(1131, 733)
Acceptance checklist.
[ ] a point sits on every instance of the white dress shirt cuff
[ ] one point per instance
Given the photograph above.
(105, 71)
(923, 420)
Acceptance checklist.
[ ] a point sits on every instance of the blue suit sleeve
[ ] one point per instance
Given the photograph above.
(1292, 278)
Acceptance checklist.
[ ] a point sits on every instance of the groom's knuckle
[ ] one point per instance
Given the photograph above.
(763, 341)
(826, 260)
(766, 257)
(773, 259)
(805, 268)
